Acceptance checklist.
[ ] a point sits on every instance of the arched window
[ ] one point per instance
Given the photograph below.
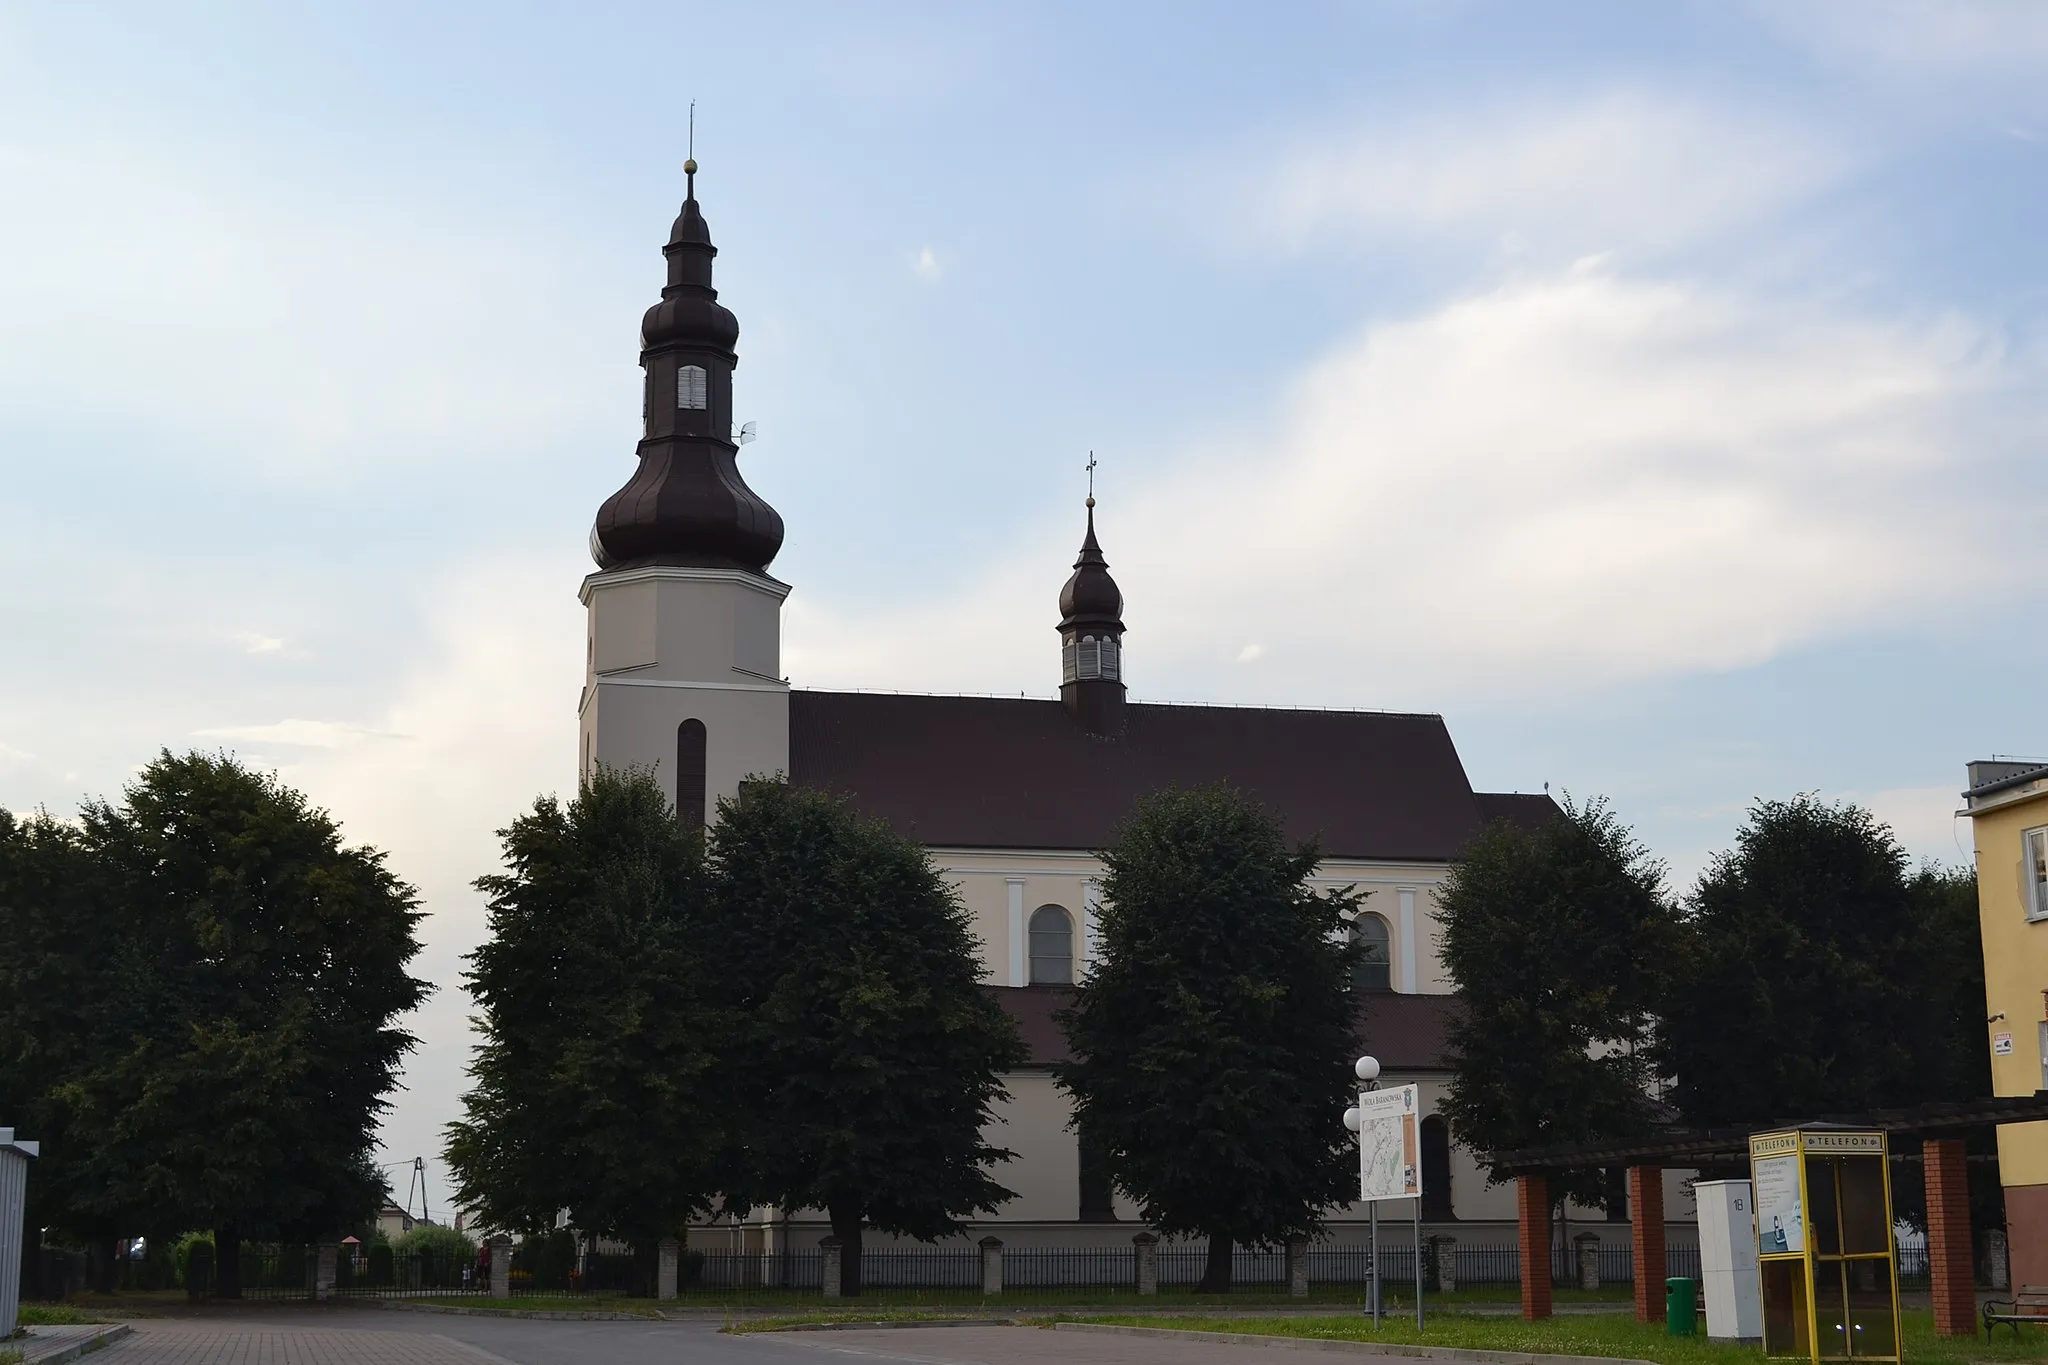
(1375, 971)
(690, 774)
(1091, 658)
(1111, 665)
(692, 390)
(1436, 1170)
(1052, 947)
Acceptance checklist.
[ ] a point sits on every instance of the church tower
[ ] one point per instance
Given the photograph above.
(684, 668)
(1092, 641)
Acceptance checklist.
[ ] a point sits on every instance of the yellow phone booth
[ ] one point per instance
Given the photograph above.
(1830, 1271)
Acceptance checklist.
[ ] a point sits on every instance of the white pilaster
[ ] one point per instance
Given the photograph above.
(1409, 976)
(1020, 959)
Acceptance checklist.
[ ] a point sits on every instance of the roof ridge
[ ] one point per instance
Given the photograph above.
(1173, 705)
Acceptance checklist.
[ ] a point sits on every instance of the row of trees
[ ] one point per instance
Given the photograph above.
(786, 1011)
(1810, 971)
(199, 994)
(782, 1013)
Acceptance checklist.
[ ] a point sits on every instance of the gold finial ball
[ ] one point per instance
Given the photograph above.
(1091, 502)
(690, 166)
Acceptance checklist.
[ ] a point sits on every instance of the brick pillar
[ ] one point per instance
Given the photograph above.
(1646, 1239)
(1948, 1237)
(1532, 1233)
(829, 1253)
(325, 1259)
(1297, 1267)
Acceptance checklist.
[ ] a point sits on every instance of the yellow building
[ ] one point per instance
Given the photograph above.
(2008, 804)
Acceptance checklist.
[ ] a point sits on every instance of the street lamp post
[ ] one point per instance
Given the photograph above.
(1368, 1072)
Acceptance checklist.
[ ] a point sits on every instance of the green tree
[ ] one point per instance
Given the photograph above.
(1214, 1037)
(1805, 984)
(593, 1084)
(251, 1037)
(1552, 935)
(866, 1057)
(62, 954)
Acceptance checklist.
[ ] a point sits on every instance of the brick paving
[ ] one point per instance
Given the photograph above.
(220, 1342)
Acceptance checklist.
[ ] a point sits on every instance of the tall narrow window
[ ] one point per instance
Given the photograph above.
(1052, 947)
(1091, 658)
(1098, 1195)
(1374, 970)
(1436, 1170)
(690, 774)
(692, 390)
(1111, 665)
(2035, 842)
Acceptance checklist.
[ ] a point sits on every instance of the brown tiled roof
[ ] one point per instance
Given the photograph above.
(1521, 809)
(992, 772)
(1406, 1032)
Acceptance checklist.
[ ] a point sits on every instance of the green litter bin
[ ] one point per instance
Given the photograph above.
(1681, 1305)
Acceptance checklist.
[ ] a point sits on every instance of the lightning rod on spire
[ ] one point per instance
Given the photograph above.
(1090, 466)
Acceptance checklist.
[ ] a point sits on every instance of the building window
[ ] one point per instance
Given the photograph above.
(1070, 661)
(1436, 1170)
(2035, 843)
(1098, 1194)
(1091, 657)
(1052, 947)
(1110, 664)
(1374, 970)
(690, 802)
(692, 389)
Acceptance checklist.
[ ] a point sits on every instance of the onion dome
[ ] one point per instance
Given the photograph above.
(687, 503)
(1092, 641)
(1091, 597)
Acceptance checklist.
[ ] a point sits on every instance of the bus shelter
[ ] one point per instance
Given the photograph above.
(1937, 1129)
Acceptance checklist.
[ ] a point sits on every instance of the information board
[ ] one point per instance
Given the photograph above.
(1779, 1226)
(1389, 1144)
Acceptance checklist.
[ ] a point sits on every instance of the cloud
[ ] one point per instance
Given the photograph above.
(1251, 654)
(1944, 37)
(255, 642)
(1574, 480)
(301, 734)
(928, 266)
(1568, 176)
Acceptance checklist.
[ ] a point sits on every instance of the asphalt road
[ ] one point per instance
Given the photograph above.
(368, 1337)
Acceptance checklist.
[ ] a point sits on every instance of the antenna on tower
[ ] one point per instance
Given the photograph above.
(747, 434)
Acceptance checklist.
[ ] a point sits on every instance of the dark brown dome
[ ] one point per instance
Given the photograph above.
(1091, 596)
(687, 503)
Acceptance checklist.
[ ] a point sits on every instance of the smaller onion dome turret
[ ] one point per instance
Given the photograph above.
(687, 504)
(1092, 640)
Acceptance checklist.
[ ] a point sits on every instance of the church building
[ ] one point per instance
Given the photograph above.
(1013, 797)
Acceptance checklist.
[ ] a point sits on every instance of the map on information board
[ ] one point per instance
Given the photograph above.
(1389, 1148)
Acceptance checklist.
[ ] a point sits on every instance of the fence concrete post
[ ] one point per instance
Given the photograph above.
(669, 1255)
(1997, 1262)
(1446, 1263)
(501, 1266)
(1148, 1262)
(325, 1259)
(1588, 1247)
(828, 1266)
(991, 1266)
(1297, 1267)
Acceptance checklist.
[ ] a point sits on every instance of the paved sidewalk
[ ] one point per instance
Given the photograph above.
(60, 1345)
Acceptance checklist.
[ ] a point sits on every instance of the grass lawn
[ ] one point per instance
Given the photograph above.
(807, 1302)
(57, 1315)
(1605, 1334)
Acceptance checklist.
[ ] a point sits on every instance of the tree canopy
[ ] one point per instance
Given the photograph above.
(863, 1057)
(1214, 1036)
(241, 974)
(1818, 975)
(594, 1087)
(1553, 936)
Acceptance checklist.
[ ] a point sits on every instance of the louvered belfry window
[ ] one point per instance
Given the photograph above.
(692, 388)
(1091, 658)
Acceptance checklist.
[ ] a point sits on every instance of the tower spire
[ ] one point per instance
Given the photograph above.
(687, 503)
(1091, 635)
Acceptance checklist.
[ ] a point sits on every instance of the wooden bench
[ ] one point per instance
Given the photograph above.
(2029, 1304)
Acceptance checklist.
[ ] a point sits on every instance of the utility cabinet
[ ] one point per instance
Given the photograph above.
(1728, 1268)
